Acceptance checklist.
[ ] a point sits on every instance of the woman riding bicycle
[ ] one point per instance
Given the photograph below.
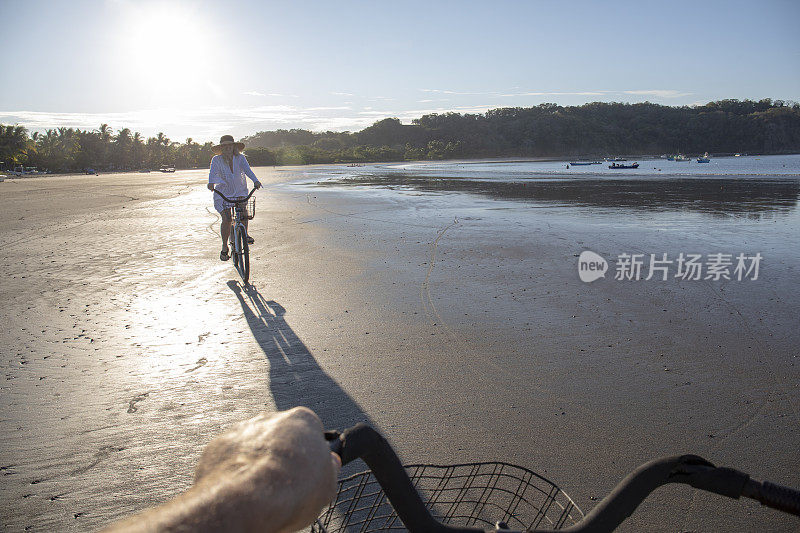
(227, 175)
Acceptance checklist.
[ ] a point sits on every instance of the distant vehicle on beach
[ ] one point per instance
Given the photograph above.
(26, 171)
(616, 166)
(166, 169)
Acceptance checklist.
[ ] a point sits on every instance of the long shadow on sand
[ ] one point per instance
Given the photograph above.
(295, 376)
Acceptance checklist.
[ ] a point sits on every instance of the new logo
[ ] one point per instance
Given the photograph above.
(591, 266)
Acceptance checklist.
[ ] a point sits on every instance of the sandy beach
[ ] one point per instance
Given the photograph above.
(454, 321)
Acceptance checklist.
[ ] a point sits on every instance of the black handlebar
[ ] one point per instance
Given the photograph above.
(361, 441)
(239, 200)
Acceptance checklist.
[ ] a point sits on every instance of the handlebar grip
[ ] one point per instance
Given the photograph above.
(733, 484)
(773, 495)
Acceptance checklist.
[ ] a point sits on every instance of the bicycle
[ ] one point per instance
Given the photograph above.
(244, 208)
(463, 498)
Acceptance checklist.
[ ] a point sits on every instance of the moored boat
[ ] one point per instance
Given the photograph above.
(704, 158)
(616, 166)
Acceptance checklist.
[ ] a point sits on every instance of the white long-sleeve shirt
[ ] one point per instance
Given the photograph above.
(231, 183)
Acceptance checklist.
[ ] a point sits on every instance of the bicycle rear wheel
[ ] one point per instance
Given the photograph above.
(242, 259)
(468, 495)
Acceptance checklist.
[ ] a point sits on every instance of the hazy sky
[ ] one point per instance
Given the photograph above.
(201, 69)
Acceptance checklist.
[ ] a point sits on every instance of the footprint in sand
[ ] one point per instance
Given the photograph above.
(102, 453)
(200, 362)
(132, 404)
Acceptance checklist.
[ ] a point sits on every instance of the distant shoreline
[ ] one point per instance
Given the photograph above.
(466, 161)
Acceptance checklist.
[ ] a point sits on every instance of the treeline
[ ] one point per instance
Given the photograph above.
(548, 130)
(70, 150)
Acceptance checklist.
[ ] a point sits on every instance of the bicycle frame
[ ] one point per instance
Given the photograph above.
(238, 234)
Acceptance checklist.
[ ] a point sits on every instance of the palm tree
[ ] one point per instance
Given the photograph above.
(14, 144)
(46, 147)
(137, 148)
(153, 150)
(122, 149)
(67, 145)
(105, 132)
(105, 141)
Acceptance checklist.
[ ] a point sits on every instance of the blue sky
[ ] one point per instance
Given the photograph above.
(202, 69)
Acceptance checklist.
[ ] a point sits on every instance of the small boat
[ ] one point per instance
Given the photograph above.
(737, 155)
(704, 159)
(580, 163)
(680, 158)
(166, 169)
(616, 166)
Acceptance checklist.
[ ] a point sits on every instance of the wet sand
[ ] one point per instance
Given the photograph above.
(455, 323)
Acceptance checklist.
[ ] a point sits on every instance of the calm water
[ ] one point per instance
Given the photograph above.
(749, 186)
(745, 166)
(726, 166)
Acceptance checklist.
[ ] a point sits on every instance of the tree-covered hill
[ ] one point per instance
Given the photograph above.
(550, 130)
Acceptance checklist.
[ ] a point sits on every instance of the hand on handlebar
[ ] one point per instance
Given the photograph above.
(272, 469)
(271, 473)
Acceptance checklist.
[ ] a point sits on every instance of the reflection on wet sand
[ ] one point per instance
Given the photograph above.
(295, 376)
(738, 196)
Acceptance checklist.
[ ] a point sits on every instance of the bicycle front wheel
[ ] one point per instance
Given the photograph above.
(242, 261)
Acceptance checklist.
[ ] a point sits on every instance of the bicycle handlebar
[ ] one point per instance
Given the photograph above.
(362, 441)
(239, 201)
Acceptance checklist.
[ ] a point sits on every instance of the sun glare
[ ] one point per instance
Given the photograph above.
(165, 41)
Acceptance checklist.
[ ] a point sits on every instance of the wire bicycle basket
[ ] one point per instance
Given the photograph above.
(466, 495)
(248, 209)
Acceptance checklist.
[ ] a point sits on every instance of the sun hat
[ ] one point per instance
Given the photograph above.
(225, 140)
